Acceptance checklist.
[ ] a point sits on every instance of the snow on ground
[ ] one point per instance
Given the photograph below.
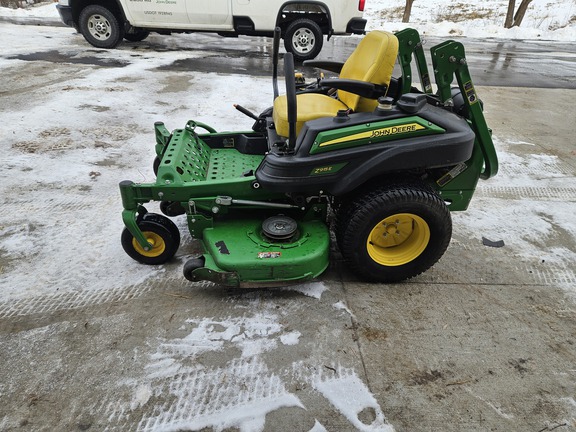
(86, 135)
(41, 10)
(545, 19)
(63, 156)
(533, 229)
(243, 391)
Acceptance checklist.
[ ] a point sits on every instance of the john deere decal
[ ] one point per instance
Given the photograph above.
(388, 131)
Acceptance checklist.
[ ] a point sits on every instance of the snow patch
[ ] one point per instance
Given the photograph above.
(252, 335)
(313, 289)
(239, 395)
(243, 391)
(341, 305)
(545, 19)
(318, 427)
(141, 396)
(347, 393)
(292, 338)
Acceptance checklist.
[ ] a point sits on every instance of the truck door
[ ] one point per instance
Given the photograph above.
(157, 13)
(210, 14)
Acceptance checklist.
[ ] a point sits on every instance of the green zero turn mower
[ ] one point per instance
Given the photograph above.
(389, 160)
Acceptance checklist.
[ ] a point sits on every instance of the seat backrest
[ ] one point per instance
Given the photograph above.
(372, 61)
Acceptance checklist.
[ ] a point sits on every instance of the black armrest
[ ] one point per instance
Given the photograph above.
(332, 66)
(361, 88)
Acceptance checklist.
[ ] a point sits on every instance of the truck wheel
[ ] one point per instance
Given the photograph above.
(100, 27)
(160, 232)
(303, 38)
(137, 36)
(394, 233)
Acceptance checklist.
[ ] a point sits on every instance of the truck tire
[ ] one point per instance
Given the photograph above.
(137, 36)
(303, 38)
(100, 27)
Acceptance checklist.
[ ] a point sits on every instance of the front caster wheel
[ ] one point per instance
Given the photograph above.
(160, 232)
(190, 266)
(395, 232)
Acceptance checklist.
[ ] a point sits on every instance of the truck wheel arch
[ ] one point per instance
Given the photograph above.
(283, 19)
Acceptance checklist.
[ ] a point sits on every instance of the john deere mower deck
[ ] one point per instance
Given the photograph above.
(389, 160)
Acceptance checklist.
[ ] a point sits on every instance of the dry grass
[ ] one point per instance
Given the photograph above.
(15, 4)
(392, 14)
(461, 12)
(557, 26)
(10, 3)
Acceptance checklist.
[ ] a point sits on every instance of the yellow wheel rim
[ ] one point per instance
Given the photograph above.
(398, 239)
(157, 242)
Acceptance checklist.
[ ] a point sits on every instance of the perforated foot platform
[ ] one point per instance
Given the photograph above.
(189, 159)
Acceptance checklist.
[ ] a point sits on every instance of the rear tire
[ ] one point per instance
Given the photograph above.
(394, 233)
(304, 39)
(100, 27)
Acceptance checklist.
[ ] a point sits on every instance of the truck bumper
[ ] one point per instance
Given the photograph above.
(356, 25)
(65, 15)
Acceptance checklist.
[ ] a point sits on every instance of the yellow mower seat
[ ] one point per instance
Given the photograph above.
(372, 61)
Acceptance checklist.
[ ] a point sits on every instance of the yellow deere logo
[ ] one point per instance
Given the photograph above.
(377, 133)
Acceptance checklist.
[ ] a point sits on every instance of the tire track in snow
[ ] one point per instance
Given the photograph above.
(533, 166)
(528, 192)
(178, 392)
(50, 303)
(240, 394)
(553, 275)
(479, 271)
(528, 206)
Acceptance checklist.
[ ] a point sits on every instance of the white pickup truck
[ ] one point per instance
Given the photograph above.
(104, 23)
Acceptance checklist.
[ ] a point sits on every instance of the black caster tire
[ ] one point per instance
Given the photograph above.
(160, 232)
(190, 266)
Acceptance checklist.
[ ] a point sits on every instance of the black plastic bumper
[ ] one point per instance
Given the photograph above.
(356, 25)
(65, 15)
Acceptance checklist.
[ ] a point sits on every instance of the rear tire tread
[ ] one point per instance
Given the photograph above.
(356, 219)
